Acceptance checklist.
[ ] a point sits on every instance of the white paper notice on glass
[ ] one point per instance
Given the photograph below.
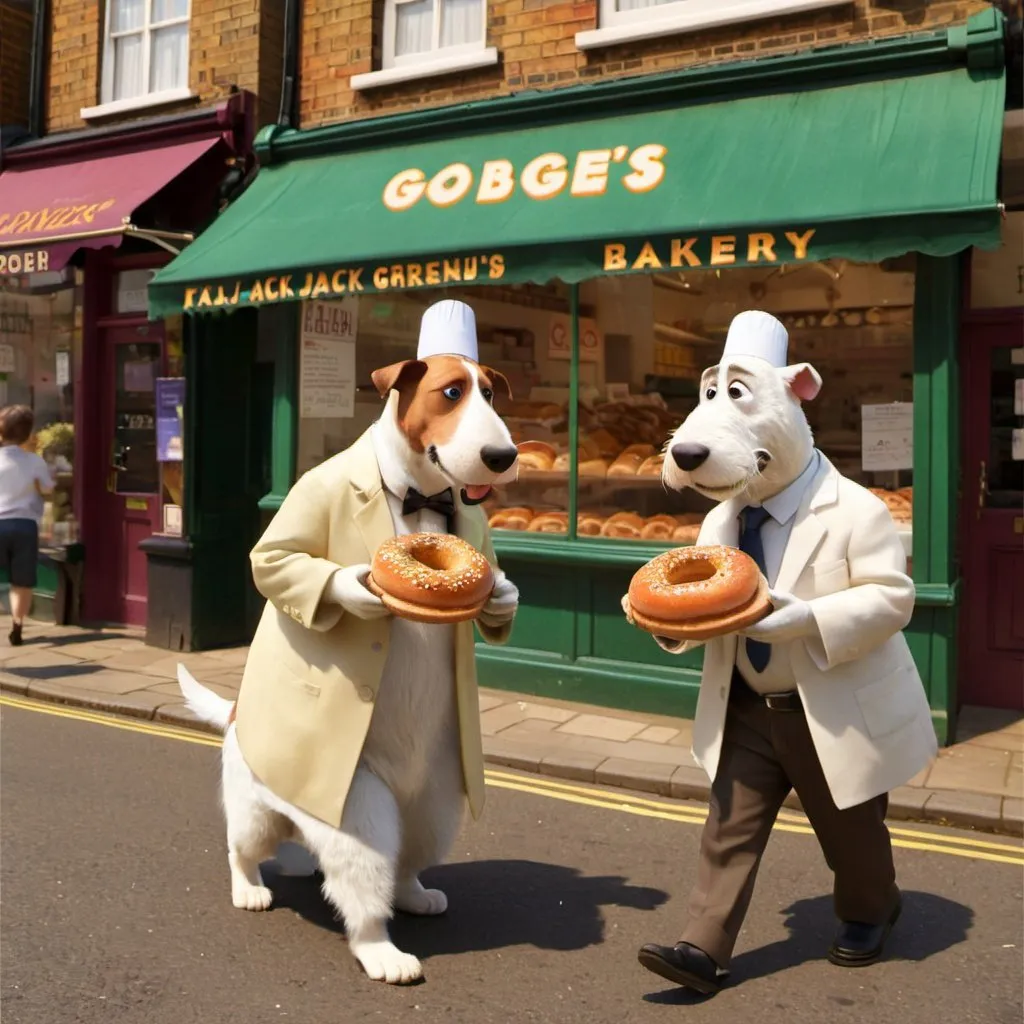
(63, 367)
(327, 363)
(6, 359)
(327, 378)
(887, 436)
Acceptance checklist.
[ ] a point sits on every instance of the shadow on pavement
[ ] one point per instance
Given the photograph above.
(929, 925)
(493, 905)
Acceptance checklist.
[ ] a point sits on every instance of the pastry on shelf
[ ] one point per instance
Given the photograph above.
(651, 466)
(627, 464)
(550, 522)
(517, 518)
(536, 455)
(660, 527)
(626, 525)
(588, 524)
(607, 444)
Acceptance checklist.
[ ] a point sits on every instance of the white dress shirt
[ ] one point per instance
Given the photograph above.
(397, 481)
(782, 508)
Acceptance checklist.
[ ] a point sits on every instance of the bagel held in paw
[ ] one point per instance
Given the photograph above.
(431, 577)
(696, 593)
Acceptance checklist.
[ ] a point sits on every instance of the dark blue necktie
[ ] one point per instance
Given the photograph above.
(750, 542)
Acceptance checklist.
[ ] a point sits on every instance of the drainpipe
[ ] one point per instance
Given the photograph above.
(287, 115)
(37, 73)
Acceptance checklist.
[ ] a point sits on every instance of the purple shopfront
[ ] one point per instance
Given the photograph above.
(99, 212)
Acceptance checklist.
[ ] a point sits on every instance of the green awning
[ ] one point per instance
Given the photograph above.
(865, 170)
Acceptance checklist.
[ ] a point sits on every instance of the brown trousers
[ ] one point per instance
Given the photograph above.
(765, 754)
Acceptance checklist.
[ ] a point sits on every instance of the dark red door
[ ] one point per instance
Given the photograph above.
(132, 359)
(992, 516)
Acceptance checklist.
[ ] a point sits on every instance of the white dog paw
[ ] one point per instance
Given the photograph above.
(251, 897)
(384, 961)
(412, 898)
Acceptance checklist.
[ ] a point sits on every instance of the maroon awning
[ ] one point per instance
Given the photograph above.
(47, 213)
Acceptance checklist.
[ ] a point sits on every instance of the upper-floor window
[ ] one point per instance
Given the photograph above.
(626, 20)
(424, 38)
(145, 53)
(421, 31)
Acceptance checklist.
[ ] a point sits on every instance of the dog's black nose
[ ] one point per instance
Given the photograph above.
(688, 456)
(497, 458)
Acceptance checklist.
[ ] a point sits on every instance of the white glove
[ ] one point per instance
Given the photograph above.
(792, 619)
(664, 642)
(347, 587)
(501, 606)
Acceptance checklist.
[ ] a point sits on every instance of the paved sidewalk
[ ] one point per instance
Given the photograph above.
(979, 783)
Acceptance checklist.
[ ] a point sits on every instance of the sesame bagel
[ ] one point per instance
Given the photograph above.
(431, 577)
(696, 593)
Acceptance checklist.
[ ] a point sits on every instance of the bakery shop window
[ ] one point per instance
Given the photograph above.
(40, 354)
(644, 341)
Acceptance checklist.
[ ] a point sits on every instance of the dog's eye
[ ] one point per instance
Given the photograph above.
(453, 393)
(487, 393)
(710, 393)
(738, 390)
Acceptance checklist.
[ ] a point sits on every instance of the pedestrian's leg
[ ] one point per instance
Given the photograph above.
(21, 605)
(747, 793)
(855, 841)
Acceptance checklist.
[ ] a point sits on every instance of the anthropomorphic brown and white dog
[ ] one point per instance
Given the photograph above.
(357, 734)
(821, 696)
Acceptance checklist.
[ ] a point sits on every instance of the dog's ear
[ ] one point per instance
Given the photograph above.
(803, 380)
(499, 380)
(398, 375)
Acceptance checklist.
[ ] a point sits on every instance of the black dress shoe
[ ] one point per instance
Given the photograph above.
(15, 634)
(685, 965)
(858, 945)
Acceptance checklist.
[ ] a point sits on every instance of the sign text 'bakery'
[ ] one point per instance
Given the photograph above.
(610, 257)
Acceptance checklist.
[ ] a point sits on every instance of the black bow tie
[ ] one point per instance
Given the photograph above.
(442, 503)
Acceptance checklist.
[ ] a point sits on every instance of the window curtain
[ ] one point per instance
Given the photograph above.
(414, 27)
(169, 60)
(462, 21)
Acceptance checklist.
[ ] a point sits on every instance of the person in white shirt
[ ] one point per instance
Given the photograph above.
(24, 481)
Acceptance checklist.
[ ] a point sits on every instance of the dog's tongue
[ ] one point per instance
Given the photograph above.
(476, 493)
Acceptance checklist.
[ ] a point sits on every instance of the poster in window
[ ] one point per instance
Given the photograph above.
(327, 359)
(560, 339)
(170, 414)
(887, 436)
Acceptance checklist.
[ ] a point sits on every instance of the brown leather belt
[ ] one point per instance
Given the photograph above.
(788, 701)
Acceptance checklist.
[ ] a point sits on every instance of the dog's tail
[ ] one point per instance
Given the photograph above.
(206, 705)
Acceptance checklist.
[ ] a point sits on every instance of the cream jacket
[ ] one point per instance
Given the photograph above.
(313, 672)
(865, 703)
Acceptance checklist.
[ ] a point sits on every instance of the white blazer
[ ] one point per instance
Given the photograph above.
(864, 700)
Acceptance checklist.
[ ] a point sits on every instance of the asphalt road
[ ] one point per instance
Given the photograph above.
(115, 908)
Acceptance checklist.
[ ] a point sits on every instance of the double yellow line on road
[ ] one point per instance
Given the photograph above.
(956, 845)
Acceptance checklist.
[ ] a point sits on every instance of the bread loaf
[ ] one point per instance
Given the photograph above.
(550, 522)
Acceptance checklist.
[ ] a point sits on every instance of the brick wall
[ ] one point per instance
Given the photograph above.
(231, 44)
(535, 40)
(15, 58)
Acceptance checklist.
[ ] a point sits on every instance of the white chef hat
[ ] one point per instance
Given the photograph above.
(755, 333)
(448, 328)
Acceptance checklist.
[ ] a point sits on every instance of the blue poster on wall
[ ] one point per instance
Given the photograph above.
(170, 413)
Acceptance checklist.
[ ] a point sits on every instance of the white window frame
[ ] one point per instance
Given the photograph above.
(108, 104)
(437, 60)
(616, 26)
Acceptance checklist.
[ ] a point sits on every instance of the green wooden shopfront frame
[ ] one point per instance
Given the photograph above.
(570, 639)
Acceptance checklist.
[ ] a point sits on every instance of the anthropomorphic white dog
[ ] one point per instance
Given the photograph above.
(357, 734)
(821, 696)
